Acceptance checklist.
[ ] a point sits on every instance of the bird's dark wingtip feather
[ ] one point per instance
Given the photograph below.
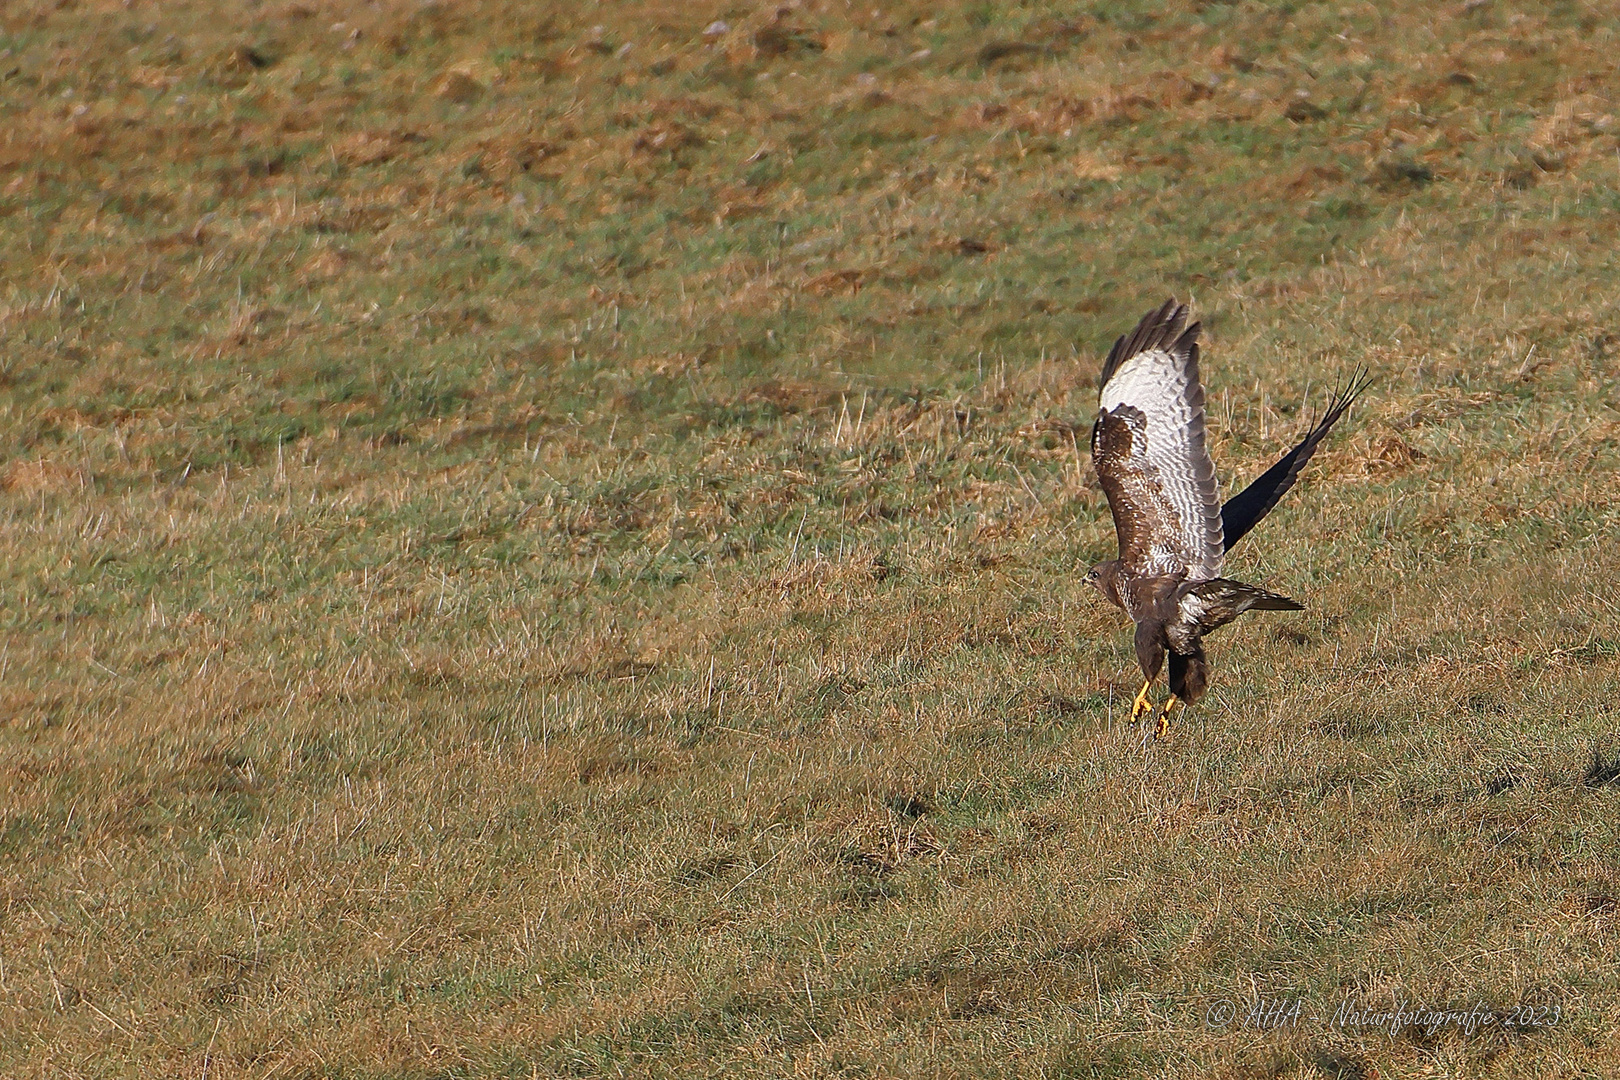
(1163, 327)
(1344, 396)
(1243, 511)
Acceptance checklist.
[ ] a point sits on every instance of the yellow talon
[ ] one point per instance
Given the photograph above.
(1142, 705)
(1164, 717)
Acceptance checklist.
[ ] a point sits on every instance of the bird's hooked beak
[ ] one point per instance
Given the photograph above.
(1104, 578)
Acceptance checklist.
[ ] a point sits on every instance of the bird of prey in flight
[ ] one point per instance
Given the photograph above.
(1149, 452)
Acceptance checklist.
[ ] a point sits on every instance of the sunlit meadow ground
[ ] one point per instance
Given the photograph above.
(542, 539)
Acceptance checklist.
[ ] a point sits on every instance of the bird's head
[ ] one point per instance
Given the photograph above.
(1104, 577)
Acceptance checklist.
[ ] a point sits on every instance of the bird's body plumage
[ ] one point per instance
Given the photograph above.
(1148, 445)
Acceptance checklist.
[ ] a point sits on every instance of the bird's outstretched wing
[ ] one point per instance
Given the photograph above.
(1244, 510)
(1148, 448)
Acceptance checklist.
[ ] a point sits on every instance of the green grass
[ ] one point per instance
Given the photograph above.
(525, 557)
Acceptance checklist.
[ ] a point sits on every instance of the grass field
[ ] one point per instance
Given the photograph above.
(545, 539)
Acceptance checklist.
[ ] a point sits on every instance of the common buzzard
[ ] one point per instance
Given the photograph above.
(1148, 448)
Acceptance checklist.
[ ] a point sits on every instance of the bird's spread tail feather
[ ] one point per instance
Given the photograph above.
(1214, 603)
(1270, 601)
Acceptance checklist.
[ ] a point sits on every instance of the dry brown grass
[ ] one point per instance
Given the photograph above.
(541, 540)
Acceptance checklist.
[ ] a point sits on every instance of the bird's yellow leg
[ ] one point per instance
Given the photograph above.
(1164, 717)
(1141, 705)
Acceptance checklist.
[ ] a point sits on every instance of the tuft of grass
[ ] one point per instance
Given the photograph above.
(545, 540)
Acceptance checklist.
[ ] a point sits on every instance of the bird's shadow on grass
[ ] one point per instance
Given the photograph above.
(1603, 770)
